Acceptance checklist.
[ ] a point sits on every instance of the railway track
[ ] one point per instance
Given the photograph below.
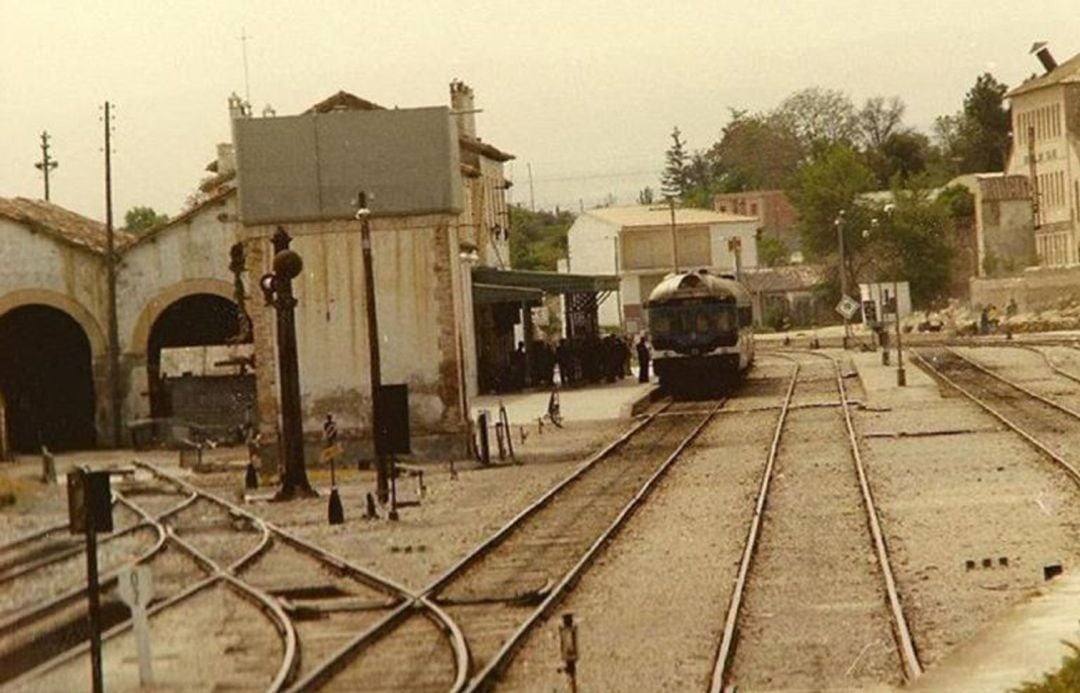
(773, 605)
(273, 603)
(1044, 423)
(502, 589)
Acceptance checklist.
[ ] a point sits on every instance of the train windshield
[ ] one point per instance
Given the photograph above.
(692, 318)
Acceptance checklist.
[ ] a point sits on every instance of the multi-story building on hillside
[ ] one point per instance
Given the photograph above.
(1046, 149)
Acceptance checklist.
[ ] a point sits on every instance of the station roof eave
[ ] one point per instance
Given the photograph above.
(484, 294)
(546, 282)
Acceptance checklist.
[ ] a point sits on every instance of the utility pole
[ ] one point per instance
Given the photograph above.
(674, 236)
(110, 264)
(532, 192)
(382, 472)
(47, 163)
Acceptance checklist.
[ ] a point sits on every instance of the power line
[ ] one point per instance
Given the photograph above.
(597, 176)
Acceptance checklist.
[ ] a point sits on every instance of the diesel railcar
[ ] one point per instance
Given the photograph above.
(702, 330)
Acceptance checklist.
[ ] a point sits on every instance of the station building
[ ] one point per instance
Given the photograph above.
(192, 284)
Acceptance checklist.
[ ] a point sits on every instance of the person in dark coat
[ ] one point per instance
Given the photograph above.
(564, 359)
(643, 358)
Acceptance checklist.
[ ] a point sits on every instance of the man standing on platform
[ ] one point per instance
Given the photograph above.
(643, 358)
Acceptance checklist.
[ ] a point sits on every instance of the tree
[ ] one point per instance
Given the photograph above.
(878, 119)
(646, 196)
(755, 152)
(820, 189)
(903, 155)
(676, 178)
(986, 126)
(772, 252)
(139, 219)
(977, 138)
(820, 117)
(916, 245)
(538, 239)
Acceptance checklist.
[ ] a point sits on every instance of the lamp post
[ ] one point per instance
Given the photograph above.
(277, 289)
(839, 224)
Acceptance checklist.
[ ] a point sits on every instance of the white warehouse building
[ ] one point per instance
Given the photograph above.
(640, 243)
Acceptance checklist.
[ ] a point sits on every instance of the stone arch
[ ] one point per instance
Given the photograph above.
(62, 302)
(140, 336)
(47, 375)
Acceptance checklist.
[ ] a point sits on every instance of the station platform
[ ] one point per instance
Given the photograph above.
(879, 382)
(1025, 645)
(601, 401)
(1030, 640)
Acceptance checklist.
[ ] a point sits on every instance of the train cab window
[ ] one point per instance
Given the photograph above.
(702, 323)
(725, 319)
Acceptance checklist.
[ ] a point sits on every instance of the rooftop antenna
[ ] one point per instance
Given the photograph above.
(247, 83)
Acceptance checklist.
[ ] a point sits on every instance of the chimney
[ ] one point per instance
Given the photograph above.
(238, 108)
(463, 103)
(1043, 54)
(226, 158)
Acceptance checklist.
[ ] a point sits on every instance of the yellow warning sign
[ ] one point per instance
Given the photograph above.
(331, 453)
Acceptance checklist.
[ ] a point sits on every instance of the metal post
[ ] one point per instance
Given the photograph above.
(618, 303)
(278, 289)
(901, 376)
(382, 488)
(839, 223)
(527, 337)
(568, 646)
(95, 606)
(393, 514)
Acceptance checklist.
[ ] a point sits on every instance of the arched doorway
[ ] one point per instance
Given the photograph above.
(47, 380)
(192, 321)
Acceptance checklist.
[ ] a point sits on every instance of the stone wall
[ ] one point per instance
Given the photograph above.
(1033, 290)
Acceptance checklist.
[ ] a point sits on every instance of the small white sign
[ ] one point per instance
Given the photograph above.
(847, 307)
(136, 587)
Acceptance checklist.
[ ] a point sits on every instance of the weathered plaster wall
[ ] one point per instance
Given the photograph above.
(419, 305)
(40, 269)
(187, 258)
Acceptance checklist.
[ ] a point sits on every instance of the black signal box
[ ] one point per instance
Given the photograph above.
(89, 501)
(392, 432)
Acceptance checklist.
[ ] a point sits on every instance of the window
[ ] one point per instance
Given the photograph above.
(753, 209)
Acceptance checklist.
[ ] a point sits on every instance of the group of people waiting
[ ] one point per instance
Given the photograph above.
(576, 362)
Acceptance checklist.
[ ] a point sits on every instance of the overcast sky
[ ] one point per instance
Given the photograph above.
(587, 92)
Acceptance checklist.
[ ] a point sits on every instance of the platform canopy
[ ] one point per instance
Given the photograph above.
(546, 282)
(490, 293)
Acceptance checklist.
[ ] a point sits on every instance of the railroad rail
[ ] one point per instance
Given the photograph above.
(986, 381)
(496, 592)
(721, 679)
(194, 529)
(401, 602)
